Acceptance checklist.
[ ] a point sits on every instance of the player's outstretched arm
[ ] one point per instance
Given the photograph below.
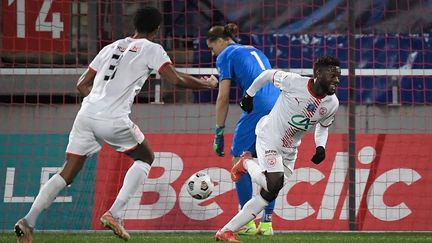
(246, 102)
(85, 82)
(184, 80)
(260, 81)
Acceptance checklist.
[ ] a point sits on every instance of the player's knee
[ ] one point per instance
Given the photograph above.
(148, 158)
(152, 157)
(274, 181)
(274, 185)
(268, 196)
(142, 153)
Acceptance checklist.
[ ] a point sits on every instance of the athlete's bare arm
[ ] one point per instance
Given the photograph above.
(169, 73)
(85, 82)
(222, 102)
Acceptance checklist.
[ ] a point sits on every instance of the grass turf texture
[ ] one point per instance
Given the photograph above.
(208, 237)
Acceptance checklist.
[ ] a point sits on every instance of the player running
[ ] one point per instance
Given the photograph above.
(241, 64)
(109, 85)
(303, 103)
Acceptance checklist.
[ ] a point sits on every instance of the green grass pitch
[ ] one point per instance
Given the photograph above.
(208, 237)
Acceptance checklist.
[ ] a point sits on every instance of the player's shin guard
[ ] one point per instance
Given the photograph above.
(256, 173)
(46, 196)
(135, 176)
(244, 189)
(268, 210)
(250, 210)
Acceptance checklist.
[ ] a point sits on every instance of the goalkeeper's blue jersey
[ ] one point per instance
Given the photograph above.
(242, 64)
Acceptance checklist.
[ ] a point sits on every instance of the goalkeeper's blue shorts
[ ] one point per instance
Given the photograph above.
(244, 134)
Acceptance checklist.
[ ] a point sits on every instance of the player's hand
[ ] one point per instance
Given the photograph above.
(218, 143)
(319, 155)
(212, 80)
(246, 103)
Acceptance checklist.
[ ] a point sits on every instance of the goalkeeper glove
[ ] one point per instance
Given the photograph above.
(319, 155)
(246, 103)
(218, 143)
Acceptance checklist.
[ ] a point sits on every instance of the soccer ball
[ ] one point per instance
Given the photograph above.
(200, 186)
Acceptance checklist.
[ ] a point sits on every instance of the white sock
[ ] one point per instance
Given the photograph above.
(249, 211)
(256, 173)
(46, 196)
(135, 177)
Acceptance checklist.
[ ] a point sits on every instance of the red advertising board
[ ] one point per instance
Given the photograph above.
(35, 26)
(393, 181)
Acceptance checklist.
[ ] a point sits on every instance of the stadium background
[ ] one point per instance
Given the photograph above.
(46, 45)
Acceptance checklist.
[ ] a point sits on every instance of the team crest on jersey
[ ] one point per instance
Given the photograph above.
(270, 157)
(322, 111)
(311, 107)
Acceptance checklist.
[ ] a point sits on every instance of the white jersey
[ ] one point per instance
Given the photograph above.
(122, 69)
(296, 111)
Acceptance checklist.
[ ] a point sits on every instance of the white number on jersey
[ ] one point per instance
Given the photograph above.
(255, 54)
(112, 69)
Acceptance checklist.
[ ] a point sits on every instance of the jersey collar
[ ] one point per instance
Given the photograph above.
(225, 49)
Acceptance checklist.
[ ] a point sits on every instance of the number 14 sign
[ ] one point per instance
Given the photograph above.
(35, 25)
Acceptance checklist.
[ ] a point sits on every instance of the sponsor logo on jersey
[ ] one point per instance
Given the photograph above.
(270, 152)
(135, 49)
(301, 122)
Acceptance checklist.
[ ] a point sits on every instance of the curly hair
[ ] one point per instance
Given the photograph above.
(147, 20)
(326, 61)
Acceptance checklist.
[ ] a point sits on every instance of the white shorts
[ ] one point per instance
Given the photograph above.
(88, 134)
(272, 158)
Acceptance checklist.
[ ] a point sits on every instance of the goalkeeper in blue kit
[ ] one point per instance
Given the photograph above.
(241, 64)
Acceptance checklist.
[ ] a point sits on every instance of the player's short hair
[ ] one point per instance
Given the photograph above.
(326, 61)
(230, 30)
(147, 19)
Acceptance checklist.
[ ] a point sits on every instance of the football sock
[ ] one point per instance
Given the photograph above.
(268, 212)
(135, 177)
(256, 173)
(244, 189)
(250, 210)
(46, 196)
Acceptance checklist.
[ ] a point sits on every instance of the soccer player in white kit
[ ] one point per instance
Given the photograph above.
(303, 103)
(109, 85)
